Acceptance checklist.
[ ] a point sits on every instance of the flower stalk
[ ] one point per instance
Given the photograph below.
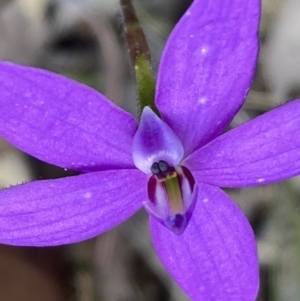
(140, 57)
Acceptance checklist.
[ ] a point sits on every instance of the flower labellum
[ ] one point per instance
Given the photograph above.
(172, 196)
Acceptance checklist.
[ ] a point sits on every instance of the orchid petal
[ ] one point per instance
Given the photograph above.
(68, 210)
(207, 67)
(215, 258)
(261, 151)
(63, 122)
(155, 141)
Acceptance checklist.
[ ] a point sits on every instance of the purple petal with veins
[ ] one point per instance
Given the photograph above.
(261, 151)
(68, 210)
(207, 67)
(62, 122)
(215, 258)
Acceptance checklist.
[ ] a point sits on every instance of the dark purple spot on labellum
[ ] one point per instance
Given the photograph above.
(176, 223)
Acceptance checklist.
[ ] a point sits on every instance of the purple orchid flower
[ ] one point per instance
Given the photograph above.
(174, 165)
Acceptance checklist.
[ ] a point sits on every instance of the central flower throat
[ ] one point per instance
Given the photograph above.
(171, 192)
(158, 152)
(169, 179)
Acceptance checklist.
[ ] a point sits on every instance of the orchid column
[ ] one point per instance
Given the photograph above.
(172, 163)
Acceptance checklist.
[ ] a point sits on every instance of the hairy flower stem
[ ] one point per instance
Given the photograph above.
(139, 56)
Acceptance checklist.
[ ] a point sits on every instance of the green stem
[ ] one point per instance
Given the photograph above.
(140, 57)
